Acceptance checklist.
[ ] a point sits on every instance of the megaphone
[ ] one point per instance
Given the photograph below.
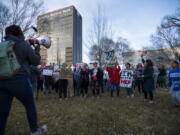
(45, 41)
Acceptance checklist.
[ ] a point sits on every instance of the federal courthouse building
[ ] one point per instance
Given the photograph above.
(64, 27)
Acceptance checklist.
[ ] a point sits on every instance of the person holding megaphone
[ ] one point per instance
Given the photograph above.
(18, 84)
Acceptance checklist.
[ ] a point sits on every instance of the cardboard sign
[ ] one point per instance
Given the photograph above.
(47, 72)
(126, 78)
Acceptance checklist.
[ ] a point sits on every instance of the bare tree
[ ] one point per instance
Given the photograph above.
(100, 30)
(22, 12)
(172, 20)
(4, 18)
(120, 47)
(168, 36)
(123, 49)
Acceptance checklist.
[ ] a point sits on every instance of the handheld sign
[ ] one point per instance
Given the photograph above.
(47, 72)
(126, 78)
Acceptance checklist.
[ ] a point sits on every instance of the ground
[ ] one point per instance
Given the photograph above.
(104, 116)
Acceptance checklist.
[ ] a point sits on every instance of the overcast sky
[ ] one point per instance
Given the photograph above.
(135, 20)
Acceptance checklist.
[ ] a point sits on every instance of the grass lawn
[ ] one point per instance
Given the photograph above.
(104, 116)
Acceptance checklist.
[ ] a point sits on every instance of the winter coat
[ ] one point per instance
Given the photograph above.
(148, 77)
(139, 72)
(174, 79)
(84, 75)
(114, 75)
(99, 75)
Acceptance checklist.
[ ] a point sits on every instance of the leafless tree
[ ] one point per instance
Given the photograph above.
(168, 35)
(4, 18)
(172, 20)
(100, 30)
(120, 47)
(23, 13)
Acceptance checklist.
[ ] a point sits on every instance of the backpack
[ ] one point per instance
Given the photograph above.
(9, 64)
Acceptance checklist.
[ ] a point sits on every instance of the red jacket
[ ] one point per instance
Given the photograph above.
(114, 74)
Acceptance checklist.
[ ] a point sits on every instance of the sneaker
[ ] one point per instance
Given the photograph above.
(40, 130)
(132, 95)
(97, 97)
(60, 99)
(151, 102)
(66, 98)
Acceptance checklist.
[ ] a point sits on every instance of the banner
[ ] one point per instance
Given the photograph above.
(47, 72)
(126, 78)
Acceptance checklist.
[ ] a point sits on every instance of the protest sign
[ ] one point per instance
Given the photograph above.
(47, 72)
(110, 58)
(126, 78)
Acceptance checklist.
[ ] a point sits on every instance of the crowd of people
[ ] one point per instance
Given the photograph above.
(145, 79)
(30, 79)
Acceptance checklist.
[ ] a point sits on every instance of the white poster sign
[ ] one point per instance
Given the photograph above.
(47, 72)
(126, 78)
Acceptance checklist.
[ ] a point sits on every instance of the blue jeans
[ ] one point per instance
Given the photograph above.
(19, 87)
(114, 87)
(129, 91)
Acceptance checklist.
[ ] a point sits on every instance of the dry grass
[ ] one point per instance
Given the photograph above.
(104, 116)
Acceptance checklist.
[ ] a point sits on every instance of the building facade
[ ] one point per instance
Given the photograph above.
(64, 27)
(159, 57)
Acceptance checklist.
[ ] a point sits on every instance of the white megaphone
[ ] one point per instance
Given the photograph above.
(45, 41)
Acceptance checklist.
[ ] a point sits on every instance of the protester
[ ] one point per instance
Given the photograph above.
(101, 81)
(18, 85)
(174, 82)
(129, 90)
(114, 73)
(74, 82)
(156, 74)
(48, 80)
(84, 75)
(62, 88)
(96, 75)
(162, 77)
(148, 78)
(40, 84)
(56, 77)
(139, 78)
(34, 73)
(106, 79)
(77, 78)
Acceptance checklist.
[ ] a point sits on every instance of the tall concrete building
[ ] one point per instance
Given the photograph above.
(64, 27)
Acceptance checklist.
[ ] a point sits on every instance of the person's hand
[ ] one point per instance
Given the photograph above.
(37, 47)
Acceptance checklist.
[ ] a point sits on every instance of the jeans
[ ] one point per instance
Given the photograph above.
(129, 91)
(84, 87)
(78, 86)
(114, 87)
(63, 85)
(95, 88)
(140, 86)
(19, 87)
